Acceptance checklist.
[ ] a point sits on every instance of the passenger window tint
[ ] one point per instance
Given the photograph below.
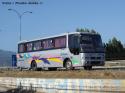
(37, 45)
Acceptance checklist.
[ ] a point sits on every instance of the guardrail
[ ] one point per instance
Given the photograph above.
(65, 85)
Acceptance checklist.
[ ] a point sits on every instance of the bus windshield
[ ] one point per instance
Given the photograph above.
(91, 43)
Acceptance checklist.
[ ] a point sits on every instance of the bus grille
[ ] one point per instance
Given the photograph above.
(95, 57)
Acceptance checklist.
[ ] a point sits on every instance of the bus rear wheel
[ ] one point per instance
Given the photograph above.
(68, 65)
(33, 65)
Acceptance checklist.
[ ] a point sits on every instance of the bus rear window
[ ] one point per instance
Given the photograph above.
(22, 48)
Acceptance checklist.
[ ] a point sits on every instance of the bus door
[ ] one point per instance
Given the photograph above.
(74, 48)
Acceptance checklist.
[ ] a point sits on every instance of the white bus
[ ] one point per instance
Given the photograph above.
(69, 50)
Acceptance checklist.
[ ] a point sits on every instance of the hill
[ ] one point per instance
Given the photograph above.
(6, 58)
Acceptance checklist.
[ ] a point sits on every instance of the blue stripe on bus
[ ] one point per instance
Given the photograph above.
(45, 60)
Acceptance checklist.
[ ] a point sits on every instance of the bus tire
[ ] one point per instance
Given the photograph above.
(34, 65)
(85, 67)
(68, 65)
(88, 67)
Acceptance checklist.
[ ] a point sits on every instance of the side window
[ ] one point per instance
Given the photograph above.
(37, 45)
(25, 48)
(29, 46)
(60, 42)
(48, 44)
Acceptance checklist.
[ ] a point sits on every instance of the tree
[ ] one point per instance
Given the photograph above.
(86, 30)
(118, 47)
(115, 49)
(82, 30)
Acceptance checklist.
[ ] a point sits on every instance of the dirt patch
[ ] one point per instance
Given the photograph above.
(115, 63)
(93, 74)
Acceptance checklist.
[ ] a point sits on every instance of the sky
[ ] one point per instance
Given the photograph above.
(53, 17)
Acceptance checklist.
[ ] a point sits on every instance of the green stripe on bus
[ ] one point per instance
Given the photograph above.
(75, 61)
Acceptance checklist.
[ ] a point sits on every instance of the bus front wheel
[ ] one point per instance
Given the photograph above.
(68, 65)
(33, 65)
(88, 67)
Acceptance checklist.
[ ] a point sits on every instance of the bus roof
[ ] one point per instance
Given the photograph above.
(24, 41)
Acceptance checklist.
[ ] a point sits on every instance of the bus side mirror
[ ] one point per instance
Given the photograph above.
(103, 44)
